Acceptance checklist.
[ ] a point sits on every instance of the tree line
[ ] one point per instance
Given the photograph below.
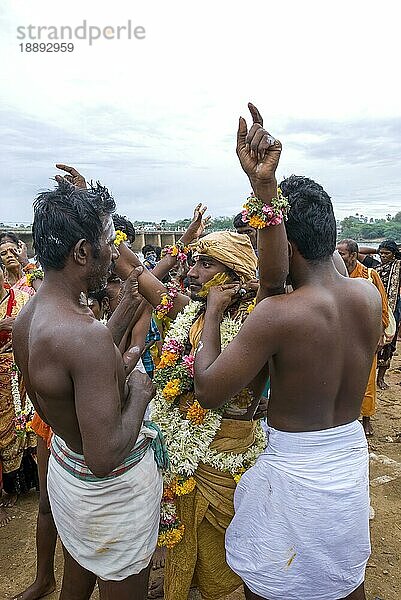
(359, 227)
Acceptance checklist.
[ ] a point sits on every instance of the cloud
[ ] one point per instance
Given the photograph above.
(368, 142)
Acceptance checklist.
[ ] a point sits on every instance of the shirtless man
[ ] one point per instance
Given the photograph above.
(103, 482)
(301, 526)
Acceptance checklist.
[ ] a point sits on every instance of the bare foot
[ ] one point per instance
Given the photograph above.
(37, 590)
(367, 426)
(9, 500)
(4, 517)
(382, 385)
(159, 558)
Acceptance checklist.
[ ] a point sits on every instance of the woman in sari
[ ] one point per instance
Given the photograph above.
(17, 444)
(390, 274)
(14, 258)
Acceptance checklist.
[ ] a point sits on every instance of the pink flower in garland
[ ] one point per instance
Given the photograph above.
(189, 363)
(271, 217)
(244, 214)
(182, 256)
(173, 346)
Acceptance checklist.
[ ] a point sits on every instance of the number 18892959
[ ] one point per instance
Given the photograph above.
(47, 47)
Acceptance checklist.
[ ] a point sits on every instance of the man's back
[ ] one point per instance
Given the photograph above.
(324, 353)
(319, 342)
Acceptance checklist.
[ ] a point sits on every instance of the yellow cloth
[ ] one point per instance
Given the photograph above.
(233, 250)
(364, 273)
(200, 558)
(368, 407)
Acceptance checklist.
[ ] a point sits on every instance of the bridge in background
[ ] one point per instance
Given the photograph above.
(156, 237)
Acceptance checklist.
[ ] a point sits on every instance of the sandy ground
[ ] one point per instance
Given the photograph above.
(383, 576)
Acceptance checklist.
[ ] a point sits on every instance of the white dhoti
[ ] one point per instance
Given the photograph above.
(301, 524)
(108, 525)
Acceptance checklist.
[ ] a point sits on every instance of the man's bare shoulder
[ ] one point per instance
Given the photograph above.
(299, 303)
(361, 290)
(63, 329)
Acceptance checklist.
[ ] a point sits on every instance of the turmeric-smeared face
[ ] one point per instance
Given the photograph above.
(204, 269)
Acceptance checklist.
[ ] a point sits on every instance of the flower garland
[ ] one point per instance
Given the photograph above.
(32, 275)
(260, 215)
(189, 431)
(23, 416)
(166, 302)
(120, 237)
(179, 250)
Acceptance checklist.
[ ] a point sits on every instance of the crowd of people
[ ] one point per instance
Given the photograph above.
(195, 411)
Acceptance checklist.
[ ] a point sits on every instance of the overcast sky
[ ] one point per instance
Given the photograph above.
(155, 119)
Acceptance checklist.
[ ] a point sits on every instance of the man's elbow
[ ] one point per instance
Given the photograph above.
(205, 402)
(205, 399)
(101, 469)
(103, 464)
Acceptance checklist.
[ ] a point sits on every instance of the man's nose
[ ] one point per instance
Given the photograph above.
(192, 272)
(115, 253)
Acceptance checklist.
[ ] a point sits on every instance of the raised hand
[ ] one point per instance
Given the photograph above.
(73, 176)
(257, 150)
(131, 286)
(197, 225)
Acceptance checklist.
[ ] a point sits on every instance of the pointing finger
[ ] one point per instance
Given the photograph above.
(256, 116)
(68, 169)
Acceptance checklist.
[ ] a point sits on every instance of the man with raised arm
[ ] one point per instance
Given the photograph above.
(208, 449)
(104, 484)
(301, 524)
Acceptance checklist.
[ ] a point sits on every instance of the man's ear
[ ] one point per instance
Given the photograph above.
(81, 252)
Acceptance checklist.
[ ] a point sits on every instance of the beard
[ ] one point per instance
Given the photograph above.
(98, 277)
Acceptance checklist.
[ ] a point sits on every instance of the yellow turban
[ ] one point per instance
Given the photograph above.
(234, 250)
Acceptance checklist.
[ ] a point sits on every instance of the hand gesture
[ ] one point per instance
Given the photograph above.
(252, 285)
(6, 324)
(258, 151)
(131, 286)
(221, 296)
(197, 225)
(22, 253)
(143, 386)
(73, 176)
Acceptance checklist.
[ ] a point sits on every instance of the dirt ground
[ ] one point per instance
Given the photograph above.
(383, 575)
